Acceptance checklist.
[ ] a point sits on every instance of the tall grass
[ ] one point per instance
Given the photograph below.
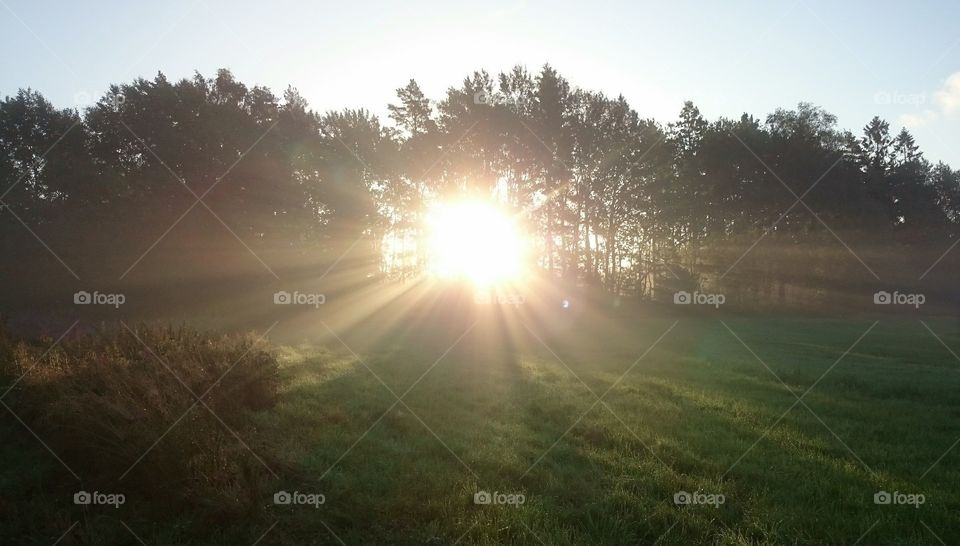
(157, 413)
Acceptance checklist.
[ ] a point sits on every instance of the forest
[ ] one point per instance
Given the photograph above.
(208, 180)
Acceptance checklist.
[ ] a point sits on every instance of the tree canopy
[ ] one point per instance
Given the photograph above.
(766, 208)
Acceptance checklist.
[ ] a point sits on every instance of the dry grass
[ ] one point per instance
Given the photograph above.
(102, 402)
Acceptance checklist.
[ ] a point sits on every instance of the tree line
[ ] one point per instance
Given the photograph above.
(785, 209)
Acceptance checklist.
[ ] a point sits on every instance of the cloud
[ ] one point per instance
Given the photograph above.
(912, 121)
(948, 97)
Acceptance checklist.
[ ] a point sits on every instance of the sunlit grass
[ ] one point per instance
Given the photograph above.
(686, 419)
(512, 408)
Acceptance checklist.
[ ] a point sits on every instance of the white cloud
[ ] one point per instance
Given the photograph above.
(912, 121)
(948, 97)
(947, 100)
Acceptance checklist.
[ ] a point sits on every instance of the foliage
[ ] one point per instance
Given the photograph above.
(612, 199)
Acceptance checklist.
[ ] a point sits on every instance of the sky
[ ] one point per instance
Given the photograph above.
(857, 59)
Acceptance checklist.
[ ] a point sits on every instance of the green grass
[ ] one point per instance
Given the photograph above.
(697, 413)
(500, 412)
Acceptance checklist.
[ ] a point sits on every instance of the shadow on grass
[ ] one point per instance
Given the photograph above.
(499, 400)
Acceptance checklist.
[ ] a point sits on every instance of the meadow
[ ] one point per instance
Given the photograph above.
(712, 408)
(584, 429)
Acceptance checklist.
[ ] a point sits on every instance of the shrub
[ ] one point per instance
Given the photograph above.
(104, 400)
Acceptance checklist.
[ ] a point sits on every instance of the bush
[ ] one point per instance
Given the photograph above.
(104, 400)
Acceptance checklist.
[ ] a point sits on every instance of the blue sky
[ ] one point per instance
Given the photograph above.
(856, 59)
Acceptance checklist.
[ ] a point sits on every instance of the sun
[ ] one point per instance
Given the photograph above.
(476, 241)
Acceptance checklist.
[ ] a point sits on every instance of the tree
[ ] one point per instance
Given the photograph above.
(613, 199)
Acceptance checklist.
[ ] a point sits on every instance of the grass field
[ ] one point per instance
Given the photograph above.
(599, 431)
(697, 411)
